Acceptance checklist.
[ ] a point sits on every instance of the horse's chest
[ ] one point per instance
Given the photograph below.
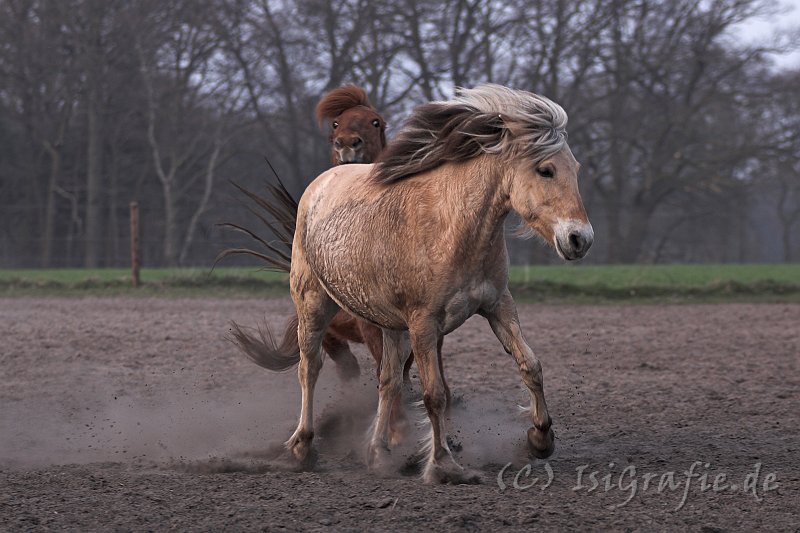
(465, 303)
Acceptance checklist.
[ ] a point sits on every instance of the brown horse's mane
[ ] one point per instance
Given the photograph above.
(340, 100)
(488, 119)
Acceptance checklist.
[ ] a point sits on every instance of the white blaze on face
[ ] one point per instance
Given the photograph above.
(572, 238)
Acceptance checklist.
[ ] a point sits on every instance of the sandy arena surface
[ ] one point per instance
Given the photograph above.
(136, 414)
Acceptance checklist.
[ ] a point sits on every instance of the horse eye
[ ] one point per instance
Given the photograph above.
(335, 124)
(376, 123)
(545, 172)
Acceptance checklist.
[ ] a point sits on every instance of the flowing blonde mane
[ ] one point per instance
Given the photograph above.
(489, 119)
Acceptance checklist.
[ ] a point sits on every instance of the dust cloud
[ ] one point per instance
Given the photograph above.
(194, 428)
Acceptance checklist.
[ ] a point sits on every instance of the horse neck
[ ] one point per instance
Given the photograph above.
(463, 204)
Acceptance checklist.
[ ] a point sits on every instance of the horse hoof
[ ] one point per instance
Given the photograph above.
(540, 444)
(291, 462)
(452, 474)
(302, 455)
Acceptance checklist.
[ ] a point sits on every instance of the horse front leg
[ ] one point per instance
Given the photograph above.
(505, 323)
(441, 467)
(315, 309)
(396, 348)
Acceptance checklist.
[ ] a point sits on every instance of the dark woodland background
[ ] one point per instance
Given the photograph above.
(689, 139)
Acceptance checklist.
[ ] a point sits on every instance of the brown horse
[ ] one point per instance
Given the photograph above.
(415, 246)
(358, 131)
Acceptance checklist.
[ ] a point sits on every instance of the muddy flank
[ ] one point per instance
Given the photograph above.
(136, 414)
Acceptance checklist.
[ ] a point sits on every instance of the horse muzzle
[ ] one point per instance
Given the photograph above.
(349, 155)
(349, 150)
(572, 239)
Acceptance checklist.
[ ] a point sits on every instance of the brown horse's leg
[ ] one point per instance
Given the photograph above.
(373, 338)
(315, 309)
(346, 327)
(441, 467)
(346, 362)
(505, 323)
(395, 351)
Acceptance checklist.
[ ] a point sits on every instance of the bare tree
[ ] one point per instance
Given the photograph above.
(42, 79)
(688, 140)
(178, 77)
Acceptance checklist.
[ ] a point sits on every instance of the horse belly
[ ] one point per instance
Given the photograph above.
(365, 304)
(355, 284)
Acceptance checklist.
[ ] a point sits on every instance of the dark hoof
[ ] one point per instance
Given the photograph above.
(541, 444)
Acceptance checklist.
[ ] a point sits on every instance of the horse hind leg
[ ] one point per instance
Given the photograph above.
(346, 363)
(373, 337)
(395, 352)
(315, 309)
(441, 467)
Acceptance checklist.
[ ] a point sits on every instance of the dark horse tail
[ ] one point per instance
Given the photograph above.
(282, 208)
(279, 214)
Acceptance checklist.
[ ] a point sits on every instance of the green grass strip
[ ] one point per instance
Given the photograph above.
(589, 282)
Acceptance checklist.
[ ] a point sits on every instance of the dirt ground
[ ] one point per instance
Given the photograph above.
(136, 414)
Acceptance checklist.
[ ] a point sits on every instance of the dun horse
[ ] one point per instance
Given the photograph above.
(415, 246)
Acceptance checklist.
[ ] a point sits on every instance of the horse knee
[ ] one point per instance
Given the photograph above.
(436, 400)
(448, 395)
(389, 382)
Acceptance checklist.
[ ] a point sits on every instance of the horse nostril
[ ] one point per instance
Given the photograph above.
(338, 143)
(358, 141)
(577, 241)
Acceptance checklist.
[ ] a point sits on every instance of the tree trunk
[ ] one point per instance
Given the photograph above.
(786, 219)
(615, 239)
(634, 240)
(208, 186)
(170, 227)
(50, 209)
(93, 200)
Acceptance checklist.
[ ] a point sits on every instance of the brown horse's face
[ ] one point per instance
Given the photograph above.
(357, 136)
(547, 198)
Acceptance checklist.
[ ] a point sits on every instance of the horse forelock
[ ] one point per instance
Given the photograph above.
(340, 100)
(489, 119)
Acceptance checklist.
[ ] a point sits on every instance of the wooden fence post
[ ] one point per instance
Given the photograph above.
(135, 244)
